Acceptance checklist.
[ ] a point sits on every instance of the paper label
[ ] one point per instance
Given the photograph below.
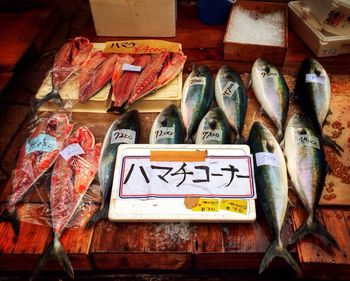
(197, 81)
(216, 176)
(266, 158)
(130, 67)
(207, 205)
(307, 140)
(72, 150)
(141, 46)
(271, 74)
(211, 135)
(236, 206)
(42, 142)
(164, 133)
(230, 88)
(123, 136)
(313, 78)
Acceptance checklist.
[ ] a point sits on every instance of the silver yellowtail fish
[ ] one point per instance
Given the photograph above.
(313, 91)
(197, 96)
(272, 92)
(126, 129)
(168, 127)
(214, 128)
(231, 97)
(307, 168)
(272, 189)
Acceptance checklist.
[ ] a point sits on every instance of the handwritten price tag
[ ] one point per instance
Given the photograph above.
(313, 78)
(72, 150)
(207, 205)
(236, 206)
(211, 135)
(42, 142)
(141, 47)
(123, 136)
(197, 81)
(266, 158)
(307, 140)
(164, 133)
(230, 88)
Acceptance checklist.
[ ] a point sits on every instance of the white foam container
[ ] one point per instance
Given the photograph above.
(332, 15)
(321, 43)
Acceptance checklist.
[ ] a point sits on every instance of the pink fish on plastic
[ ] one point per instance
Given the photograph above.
(95, 80)
(69, 182)
(127, 82)
(36, 157)
(171, 69)
(148, 77)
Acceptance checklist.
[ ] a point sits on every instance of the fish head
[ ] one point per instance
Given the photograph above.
(260, 135)
(299, 124)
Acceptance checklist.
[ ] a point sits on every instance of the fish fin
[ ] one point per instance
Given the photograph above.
(188, 140)
(276, 249)
(329, 112)
(53, 95)
(12, 218)
(42, 261)
(54, 250)
(100, 214)
(332, 144)
(250, 84)
(282, 144)
(314, 227)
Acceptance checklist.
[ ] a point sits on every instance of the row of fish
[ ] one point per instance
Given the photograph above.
(94, 70)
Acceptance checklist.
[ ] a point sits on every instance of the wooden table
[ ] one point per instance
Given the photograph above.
(144, 246)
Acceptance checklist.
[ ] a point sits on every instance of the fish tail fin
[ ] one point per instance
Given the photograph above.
(53, 95)
(54, 250)
(100, 214)
(240, 140)
(314, 227)
(332, 144)
(277, 249)
(189, 140)
(11, 216)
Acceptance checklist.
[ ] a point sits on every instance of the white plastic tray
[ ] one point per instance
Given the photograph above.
(141, 207)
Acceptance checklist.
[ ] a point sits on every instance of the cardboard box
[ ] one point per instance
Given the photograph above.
(134, 18)
(250, 52)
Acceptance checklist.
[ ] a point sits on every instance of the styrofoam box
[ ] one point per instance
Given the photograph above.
(322, 44)
(170, 208)
(136, 18)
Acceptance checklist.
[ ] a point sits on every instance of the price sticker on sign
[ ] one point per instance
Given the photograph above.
(190, 182)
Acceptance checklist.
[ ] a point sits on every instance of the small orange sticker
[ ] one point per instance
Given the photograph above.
(178, 156)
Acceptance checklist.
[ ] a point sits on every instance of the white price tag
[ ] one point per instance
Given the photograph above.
(313, 78)
(307, 140)
(197, 81)
(211, 135)
(130, 67)
(266, 158)
(72, 150)
(164, 133)
(123, 136)
(230, 88)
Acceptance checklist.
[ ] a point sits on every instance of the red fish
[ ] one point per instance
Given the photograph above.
(127, 82)
(36, 157)
(97, 79)
(148, 77)
(69, 182)
(171, 69)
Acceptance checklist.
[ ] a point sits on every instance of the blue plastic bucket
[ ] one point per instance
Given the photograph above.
(213, 11)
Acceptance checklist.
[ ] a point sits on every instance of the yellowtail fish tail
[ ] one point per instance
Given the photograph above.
(276, 249)
(332, 144)
(100, 214)
(11, 216)
(279, 136)
(240, 140)
(314, 227)
(53, 95)
(54, 250)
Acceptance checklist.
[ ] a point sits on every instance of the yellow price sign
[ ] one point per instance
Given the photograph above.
(141, 47)
(237, 206)
(206, 205)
